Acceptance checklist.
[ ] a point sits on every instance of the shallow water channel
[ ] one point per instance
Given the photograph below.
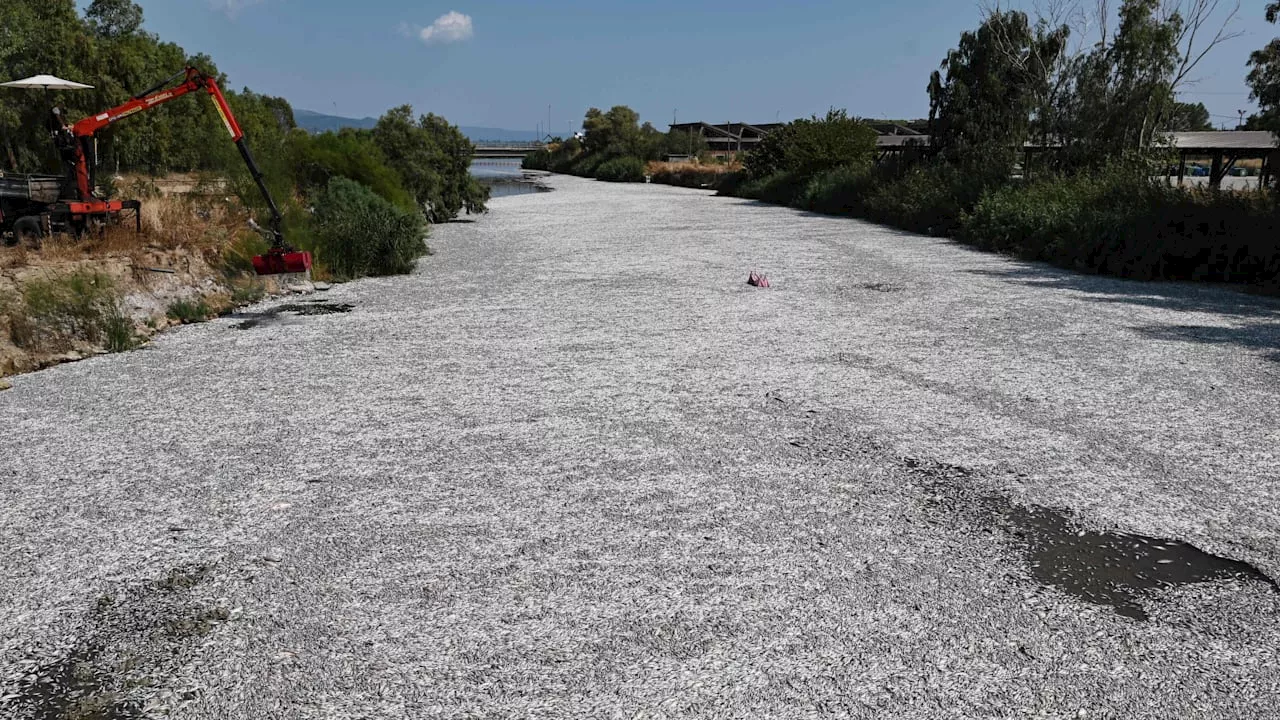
(504, 177)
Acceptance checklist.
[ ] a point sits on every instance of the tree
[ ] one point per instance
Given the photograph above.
(114, 18)
(459, 191)
(614, 133)
(806, 148)
(1264, 80)
(982, 98)
(1189, 117)
(433, 158)
(39, 36)
(684, 142)
(1119, 97)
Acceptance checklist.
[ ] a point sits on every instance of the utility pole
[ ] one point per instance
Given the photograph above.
(1241, 125)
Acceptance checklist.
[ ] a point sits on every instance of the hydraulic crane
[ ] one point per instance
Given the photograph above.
(77, 145)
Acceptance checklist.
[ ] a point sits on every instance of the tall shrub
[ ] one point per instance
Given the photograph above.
(359, 233)
(805, 148)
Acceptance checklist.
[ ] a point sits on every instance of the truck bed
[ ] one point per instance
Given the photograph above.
(36, 188)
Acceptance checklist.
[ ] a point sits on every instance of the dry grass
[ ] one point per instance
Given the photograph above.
(168, 222)
(655, 167)
(691, 174)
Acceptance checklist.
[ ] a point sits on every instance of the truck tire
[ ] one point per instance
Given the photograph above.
(28, 230)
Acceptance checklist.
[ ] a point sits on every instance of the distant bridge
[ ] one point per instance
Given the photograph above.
(497, 149)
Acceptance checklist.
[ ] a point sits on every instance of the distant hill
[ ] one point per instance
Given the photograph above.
(319, 122)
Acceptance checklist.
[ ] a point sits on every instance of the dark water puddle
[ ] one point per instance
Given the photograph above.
(505, 188)
(249, 321)
(318, 307)
(1114, 569)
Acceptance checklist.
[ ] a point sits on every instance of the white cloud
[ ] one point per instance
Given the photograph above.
(448, 28)
(232, 8)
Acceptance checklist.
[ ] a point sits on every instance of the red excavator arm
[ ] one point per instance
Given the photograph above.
(281, 257)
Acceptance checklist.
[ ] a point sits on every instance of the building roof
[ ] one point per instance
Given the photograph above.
(734, 130)
(1225, 140)
(888, 128)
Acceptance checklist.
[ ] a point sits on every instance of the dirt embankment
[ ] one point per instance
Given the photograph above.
(69, 299)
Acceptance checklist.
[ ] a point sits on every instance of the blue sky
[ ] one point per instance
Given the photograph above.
(505, 62)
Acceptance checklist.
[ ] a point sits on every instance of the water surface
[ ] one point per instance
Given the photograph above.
(504, 177)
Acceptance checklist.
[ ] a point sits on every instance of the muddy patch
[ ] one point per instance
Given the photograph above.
(124, 650)
(1114, 569)
(506, 188)
(316, 307)
(881, 287)
(306, 308)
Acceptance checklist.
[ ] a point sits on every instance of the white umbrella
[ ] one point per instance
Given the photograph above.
(48, 82)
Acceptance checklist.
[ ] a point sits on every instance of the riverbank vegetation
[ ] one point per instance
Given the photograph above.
(419, 166)
(614, 146)
(1098, 202)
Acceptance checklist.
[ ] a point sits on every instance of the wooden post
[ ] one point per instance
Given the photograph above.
(1215, 171)
(1182, 166)
(1026, 165)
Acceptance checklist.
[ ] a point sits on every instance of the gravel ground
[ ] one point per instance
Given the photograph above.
(576, 467)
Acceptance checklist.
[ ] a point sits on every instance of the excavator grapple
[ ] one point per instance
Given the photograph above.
(279, 263)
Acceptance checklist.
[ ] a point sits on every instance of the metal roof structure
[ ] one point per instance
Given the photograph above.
(1228, 141)
(1225, 140)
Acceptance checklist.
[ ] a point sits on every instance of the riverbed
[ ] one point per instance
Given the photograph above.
(574, 466)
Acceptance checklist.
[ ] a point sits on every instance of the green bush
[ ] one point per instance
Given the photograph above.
(731, 184)
(1122, 224)
(237, 255)
(118, 333)
(806, 148)
(539, 159)
(621, 169)
(780, 188)
(929, 200)
(837, 192)
(189, 311)
(317, 159)
(359, 233)
(56, 314)
(584, 165)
